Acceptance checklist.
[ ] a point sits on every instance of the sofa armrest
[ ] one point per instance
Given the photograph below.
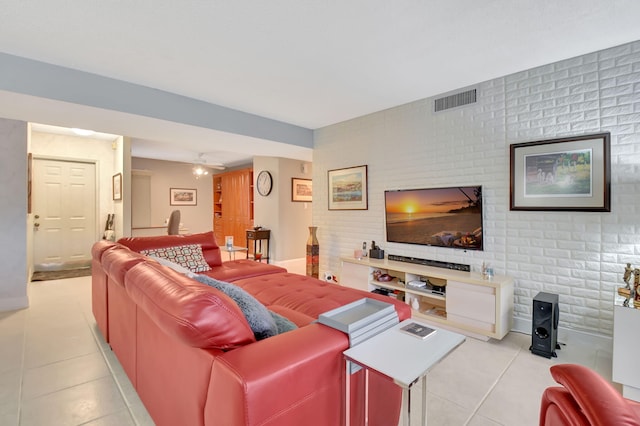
(281, 380)
(558, 408)
(294, 378)
(596, 398)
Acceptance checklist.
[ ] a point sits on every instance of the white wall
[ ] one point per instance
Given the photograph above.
(578, 255)
(13, 199)
(168, 174)
(122, 164)
(288, 221)
(294, 217)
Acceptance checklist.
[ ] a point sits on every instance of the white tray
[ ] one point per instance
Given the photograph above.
(349, 318)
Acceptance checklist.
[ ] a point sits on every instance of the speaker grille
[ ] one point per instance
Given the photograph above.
(455, 100)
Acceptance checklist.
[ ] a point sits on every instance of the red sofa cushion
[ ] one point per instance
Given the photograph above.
(286, 292)
(242, 268)
(198, 315)
(206, 240)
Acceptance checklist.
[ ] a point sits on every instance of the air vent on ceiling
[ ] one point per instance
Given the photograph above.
(455, 100)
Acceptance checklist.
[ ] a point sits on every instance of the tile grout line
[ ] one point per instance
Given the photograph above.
(493, 385)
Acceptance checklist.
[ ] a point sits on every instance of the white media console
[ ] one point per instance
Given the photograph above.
(482, 308)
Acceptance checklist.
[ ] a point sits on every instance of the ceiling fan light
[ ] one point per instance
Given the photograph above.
(200, 171)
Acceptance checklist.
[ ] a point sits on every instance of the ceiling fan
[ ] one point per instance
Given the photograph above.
(201, 168)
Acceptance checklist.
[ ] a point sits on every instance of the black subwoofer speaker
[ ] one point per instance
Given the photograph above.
(544, 333)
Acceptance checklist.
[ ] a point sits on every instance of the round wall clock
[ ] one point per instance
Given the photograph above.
(264, 183)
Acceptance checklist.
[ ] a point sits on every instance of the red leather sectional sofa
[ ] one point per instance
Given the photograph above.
(585, 398)
(193, 358)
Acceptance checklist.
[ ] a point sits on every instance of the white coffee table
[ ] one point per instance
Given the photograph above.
(403, 358)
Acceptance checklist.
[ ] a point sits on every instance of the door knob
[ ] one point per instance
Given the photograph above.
(36, 224)
(37, 216)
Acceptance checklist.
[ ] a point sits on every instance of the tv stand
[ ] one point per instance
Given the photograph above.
(429, 262)
(463, 300)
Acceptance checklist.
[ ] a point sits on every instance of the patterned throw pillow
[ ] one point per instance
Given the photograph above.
(189, 256)
(169, 264)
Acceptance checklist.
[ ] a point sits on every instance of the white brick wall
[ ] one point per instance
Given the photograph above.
(579, 256)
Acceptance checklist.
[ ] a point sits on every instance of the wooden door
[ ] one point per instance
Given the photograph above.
(236, 209)
(242, 222)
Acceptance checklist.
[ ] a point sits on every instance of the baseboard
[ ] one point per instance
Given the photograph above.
(295, 266)
(565, 335)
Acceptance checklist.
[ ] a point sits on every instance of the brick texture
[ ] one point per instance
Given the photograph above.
(578, 255)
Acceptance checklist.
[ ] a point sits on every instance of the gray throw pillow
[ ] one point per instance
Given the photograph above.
(257, 315)
(283, 324)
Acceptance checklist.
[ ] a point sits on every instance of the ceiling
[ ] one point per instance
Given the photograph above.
(309, 63)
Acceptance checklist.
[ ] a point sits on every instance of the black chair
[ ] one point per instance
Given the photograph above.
(173, 227)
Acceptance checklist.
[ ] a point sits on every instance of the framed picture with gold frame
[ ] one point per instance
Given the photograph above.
(348, 189)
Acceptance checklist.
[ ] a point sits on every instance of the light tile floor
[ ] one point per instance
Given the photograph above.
(55, 369)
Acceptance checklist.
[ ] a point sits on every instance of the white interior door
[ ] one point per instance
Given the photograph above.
(64, 221)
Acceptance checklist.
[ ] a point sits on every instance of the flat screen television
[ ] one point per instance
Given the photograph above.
(441, 217)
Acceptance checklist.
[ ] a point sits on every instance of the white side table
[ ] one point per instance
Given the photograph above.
(403, 358)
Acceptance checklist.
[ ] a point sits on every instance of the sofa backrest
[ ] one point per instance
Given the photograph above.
(100, 247)
(117, 262)
(206, 240)
(198, 315)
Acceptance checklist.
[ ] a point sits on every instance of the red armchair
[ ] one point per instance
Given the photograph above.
(585, 399)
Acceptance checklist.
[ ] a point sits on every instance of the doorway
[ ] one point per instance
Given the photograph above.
(64, 214)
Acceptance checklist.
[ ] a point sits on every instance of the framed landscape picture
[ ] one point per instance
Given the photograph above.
(301, 190)
(348, 189)
(183, 197)
(570, 174)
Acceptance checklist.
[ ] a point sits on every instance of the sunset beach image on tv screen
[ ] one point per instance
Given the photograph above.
(445, 217)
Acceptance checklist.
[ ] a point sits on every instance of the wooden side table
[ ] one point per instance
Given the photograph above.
(258, 236)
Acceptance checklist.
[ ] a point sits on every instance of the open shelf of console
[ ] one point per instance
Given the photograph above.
(452, 298)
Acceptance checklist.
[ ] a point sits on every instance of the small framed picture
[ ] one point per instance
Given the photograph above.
(301, 190)
(348, 189)
(183, 197)
(117, 186)
(567, 174)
